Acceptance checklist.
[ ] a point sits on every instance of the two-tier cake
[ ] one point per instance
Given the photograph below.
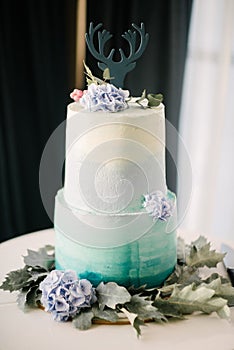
(115, 218)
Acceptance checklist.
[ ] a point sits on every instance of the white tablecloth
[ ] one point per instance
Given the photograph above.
(35, 330)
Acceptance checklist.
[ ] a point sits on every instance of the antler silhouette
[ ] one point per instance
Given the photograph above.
(118, 69)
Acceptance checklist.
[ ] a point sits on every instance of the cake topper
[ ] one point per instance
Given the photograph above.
(118, 69)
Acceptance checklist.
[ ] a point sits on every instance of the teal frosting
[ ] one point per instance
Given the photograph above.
(149, 259)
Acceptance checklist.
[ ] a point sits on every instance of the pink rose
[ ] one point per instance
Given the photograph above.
(76, 94)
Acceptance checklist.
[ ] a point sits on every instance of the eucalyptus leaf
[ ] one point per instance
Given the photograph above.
(111, 294)
(154, 100)
(83, 320)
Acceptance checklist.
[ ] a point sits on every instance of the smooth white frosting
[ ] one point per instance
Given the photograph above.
(113, 158)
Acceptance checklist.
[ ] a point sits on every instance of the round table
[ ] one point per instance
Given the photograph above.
(36, 329)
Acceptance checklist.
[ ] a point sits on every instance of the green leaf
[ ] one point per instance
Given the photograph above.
(28, 298)
(107, 314)
(181, 249)
(37, 276)
(201, 254)
(142, 98)
(90, 77)
(183, 275)
(144, 309)
(214, 276)
(154, 100)
(110, 294)
(33, 297)
(225, 291)
(41, 258)
(200, 242)
(83, 320)
(16, 280)
(134, 320)
(137, 324)
(190, 299)
(21, 301)
(106, 74)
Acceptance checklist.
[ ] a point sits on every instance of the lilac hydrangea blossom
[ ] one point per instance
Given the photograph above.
(64, 295)
(104, 97)
(158, 206)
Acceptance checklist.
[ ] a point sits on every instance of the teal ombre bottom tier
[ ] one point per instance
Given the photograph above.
(127, 248)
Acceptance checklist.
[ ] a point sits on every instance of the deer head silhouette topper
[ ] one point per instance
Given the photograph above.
(118, 69)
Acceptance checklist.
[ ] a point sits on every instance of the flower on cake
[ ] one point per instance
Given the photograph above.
(158, 206)
(64, 295)
(104, 97)
(76, 94)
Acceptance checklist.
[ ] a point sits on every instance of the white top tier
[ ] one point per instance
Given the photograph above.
(112, 159)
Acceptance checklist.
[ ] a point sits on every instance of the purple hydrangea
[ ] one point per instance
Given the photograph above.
(104, 97)
(158, 206)
(64, 295)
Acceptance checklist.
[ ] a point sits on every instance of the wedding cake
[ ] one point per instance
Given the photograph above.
(115, 219)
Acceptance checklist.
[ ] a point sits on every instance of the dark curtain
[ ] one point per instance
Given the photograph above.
(161, 67)
(37, 48)
(37, 41)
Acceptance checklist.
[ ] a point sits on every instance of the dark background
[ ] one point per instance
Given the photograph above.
(37, 73)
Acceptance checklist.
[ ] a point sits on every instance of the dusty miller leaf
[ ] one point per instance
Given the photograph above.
(110, 294)
(225, 291)
(40, 258)
(181, 249)
(214, 276)
(201, 255)
(107, 314)
(200, 242)
(183, 275)
(191, 299)
(21, 301)
(16, 280)
(137, 325)
(28, 298)
(134, 320)
(83, 320)
(144, 309)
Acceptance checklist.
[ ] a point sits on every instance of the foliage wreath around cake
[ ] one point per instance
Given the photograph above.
(66, 297)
